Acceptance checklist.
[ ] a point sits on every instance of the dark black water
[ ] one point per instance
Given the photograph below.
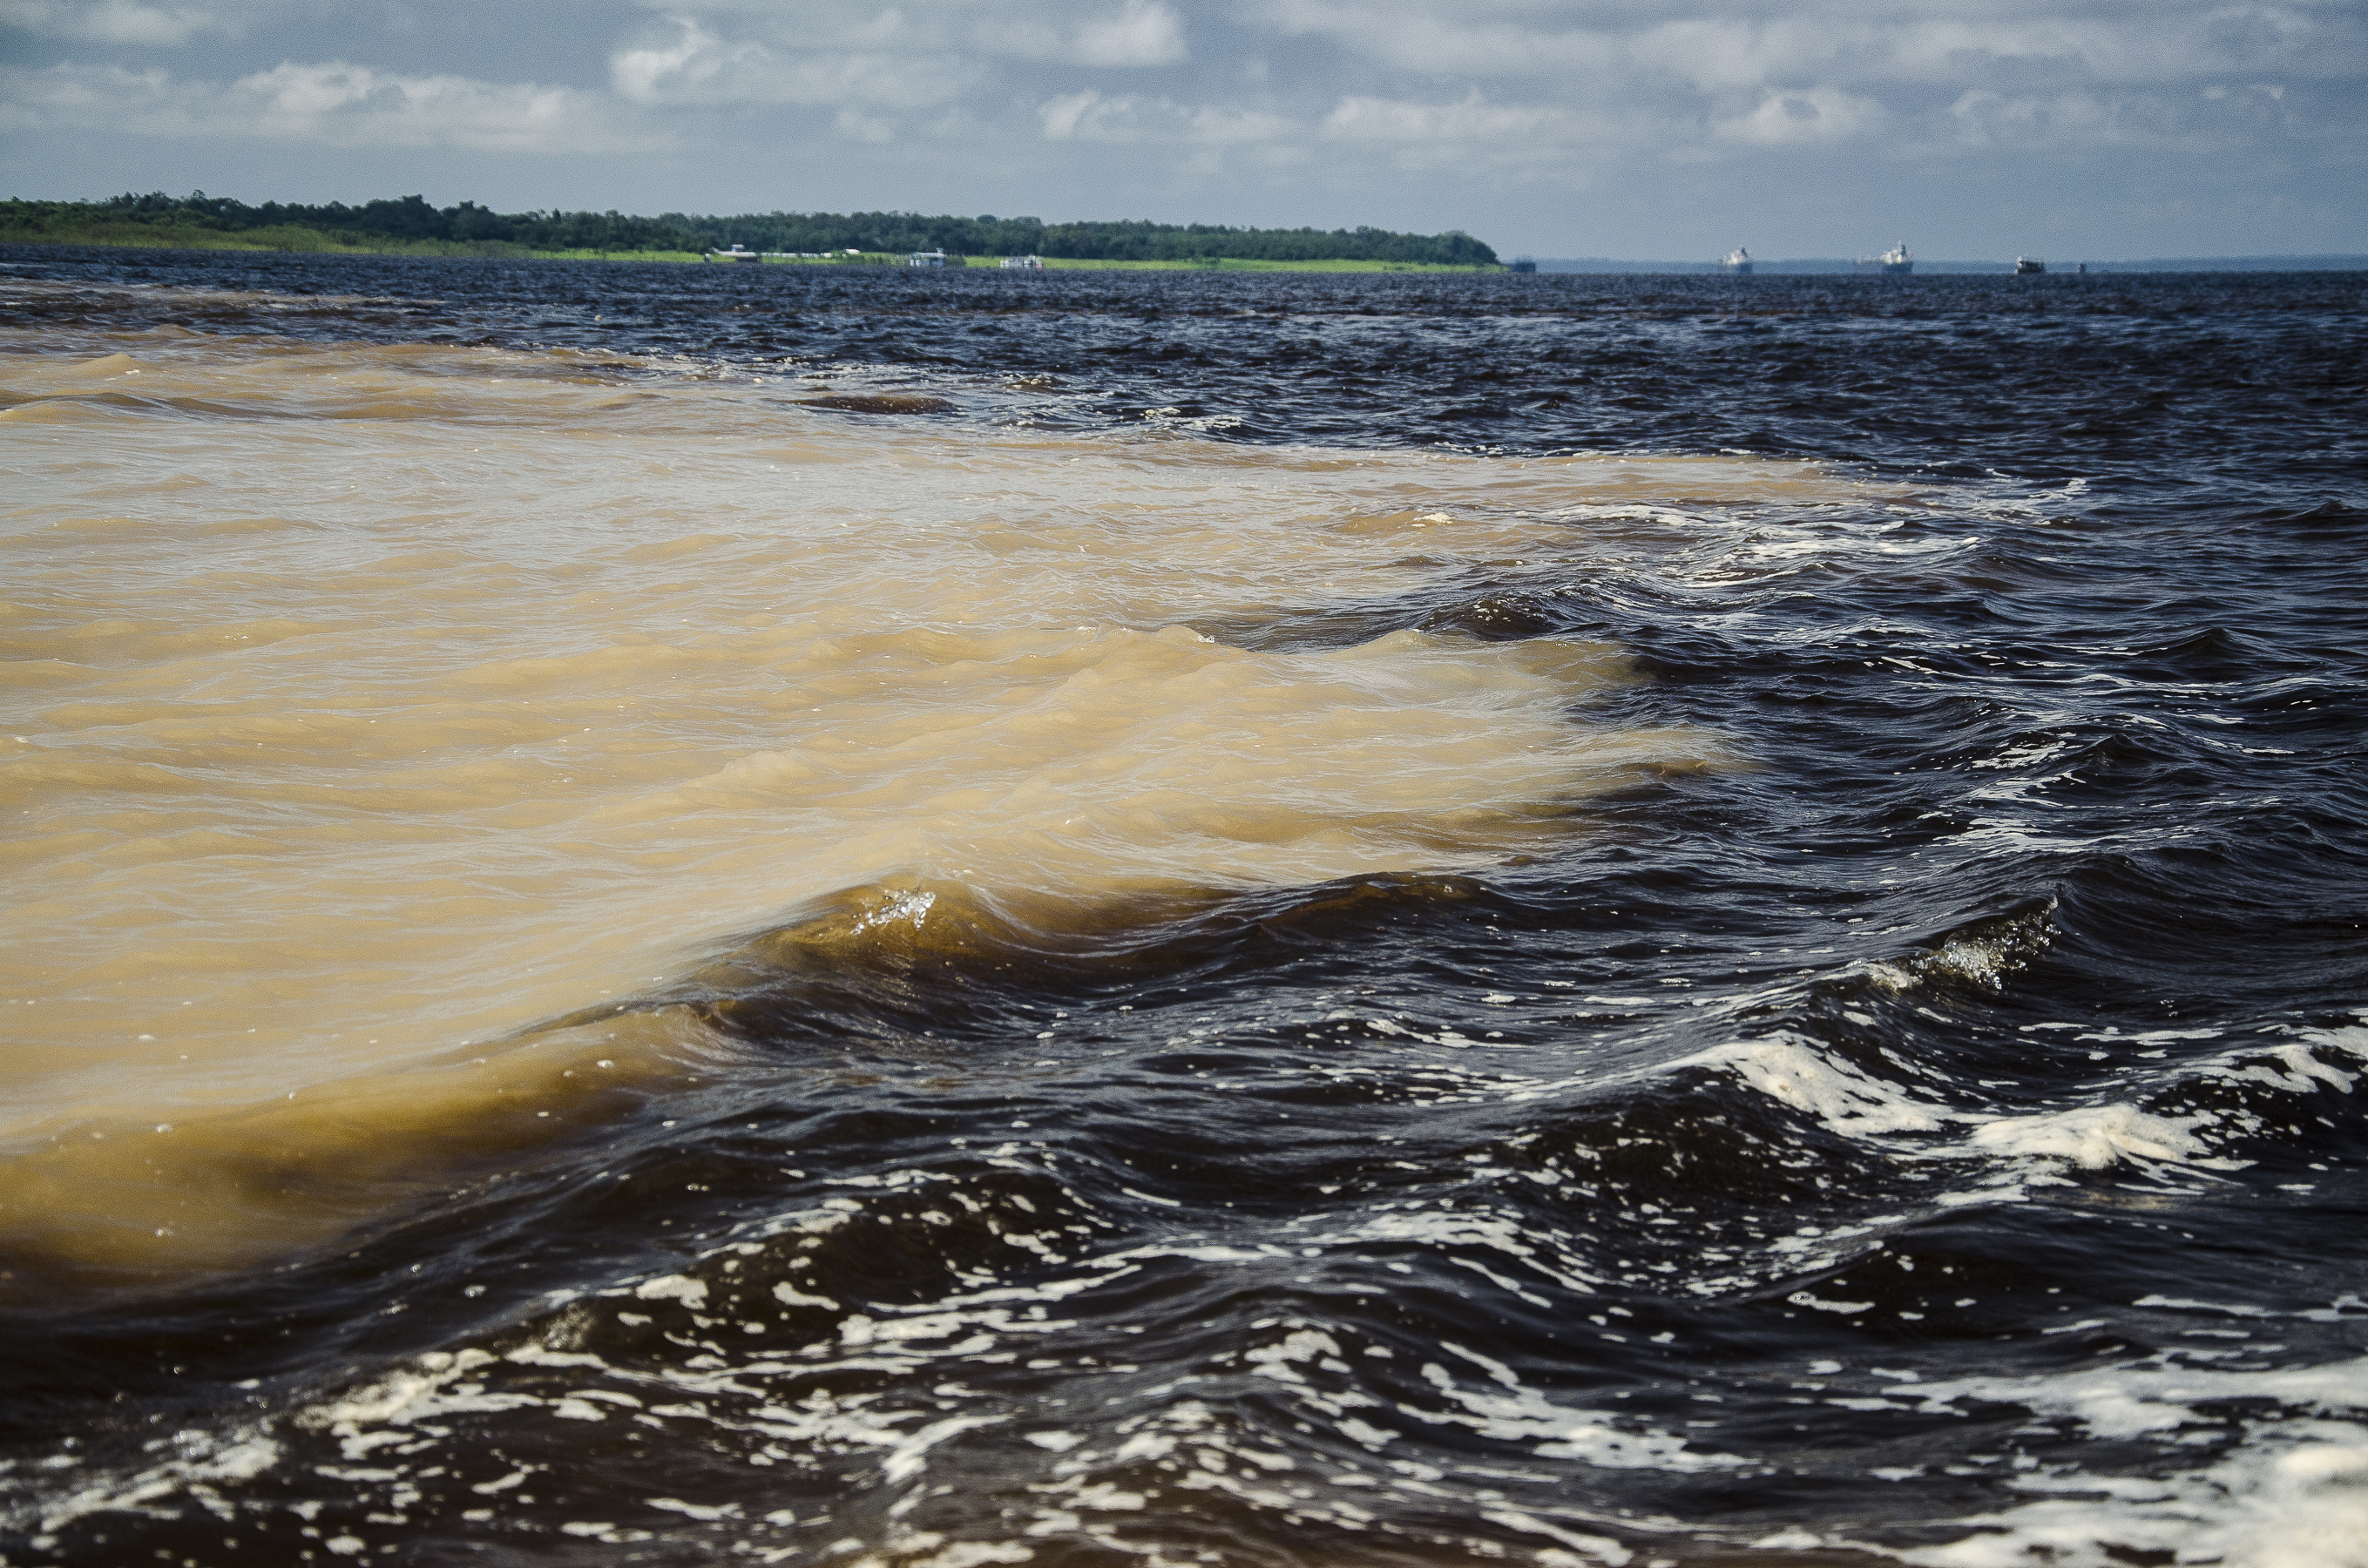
(1941, 1138)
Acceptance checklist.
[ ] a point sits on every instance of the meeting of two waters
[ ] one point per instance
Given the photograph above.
(824, 915)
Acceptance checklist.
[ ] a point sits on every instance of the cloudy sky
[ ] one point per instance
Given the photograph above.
(2102, 128)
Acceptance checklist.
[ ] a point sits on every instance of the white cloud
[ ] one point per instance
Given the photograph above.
(1476, 135)
(856, 126)
(1794, 119)
(695, 67)
(1987, 118)
(331, 104)
(1713, 44)
(1129, 34)
(1062, 117)
(114, 21)
(1143, 32)
(899, 60)
(1228, 125)
(688, 66)
(2180, 120)
(1700, 80)
(1089, 116)
(1399, 122)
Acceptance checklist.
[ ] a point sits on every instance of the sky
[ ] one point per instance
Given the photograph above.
(2083, 129)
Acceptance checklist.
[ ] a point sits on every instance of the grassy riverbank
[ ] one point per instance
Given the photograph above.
(1065, 264)
(1229, 264)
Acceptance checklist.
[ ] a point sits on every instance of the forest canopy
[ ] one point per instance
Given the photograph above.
(412, 219)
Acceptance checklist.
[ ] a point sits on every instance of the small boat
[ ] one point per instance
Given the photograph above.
(1023, 264)
(2024, 265)
(1736, 261)
(737, 252)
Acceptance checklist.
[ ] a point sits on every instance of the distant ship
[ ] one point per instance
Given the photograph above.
(2029, 264)
(1895, 259)
(1737, 261)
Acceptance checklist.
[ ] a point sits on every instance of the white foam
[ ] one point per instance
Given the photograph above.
(240, 1454)
(2159, 1395)
(691, 1293)
(1788, 1068)
(2037, 1148)
(1521, 1414)
(2293, 1494)
(2093, 1137)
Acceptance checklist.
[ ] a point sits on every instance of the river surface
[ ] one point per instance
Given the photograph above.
(679, 914)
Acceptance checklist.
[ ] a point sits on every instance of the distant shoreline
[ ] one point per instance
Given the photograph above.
(314, 244)
(410, 225)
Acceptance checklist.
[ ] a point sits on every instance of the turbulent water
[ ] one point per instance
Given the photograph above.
(675, 914)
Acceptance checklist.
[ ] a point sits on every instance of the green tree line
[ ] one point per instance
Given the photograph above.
(1122, 241)
(411, 218)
